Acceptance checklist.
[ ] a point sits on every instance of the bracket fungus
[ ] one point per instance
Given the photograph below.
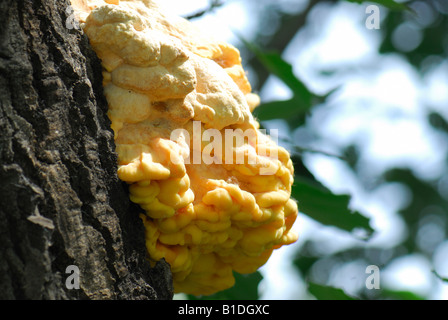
(163, 75)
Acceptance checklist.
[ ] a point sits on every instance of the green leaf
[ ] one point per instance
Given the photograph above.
(280, 110)
(245, 288)
(275, 64)
(401, 295)
(304, 263)
(327, 293)
(330, 209)
(390, 4)
(438, 121)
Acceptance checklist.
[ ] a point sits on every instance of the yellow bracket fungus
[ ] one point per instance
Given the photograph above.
(161, 74)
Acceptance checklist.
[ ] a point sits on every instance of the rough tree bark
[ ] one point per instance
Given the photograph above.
(61, 202)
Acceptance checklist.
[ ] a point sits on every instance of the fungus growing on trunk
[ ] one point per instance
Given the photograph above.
(210, 207)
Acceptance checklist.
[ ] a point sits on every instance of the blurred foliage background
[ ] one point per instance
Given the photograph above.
(364, 115)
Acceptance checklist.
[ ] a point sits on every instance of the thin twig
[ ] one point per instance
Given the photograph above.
(212, 5)
(439, 276)
(302, 150)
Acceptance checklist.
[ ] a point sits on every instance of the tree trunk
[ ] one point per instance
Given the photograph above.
(61, 202)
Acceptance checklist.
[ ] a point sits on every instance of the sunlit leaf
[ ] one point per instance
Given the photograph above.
(327, 293)
(275, 64)
(279, 110)
(327, 208)
(284, 71)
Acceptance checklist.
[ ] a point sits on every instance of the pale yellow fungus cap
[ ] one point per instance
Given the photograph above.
(162, 74)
